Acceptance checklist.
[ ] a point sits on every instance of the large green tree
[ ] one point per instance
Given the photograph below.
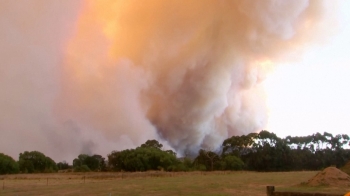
(36, 162)
(148, 156)
(8, 165)
(209, 159)
(231, 162)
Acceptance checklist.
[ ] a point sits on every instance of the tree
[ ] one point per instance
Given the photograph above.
(36, 162)
(152, 144)
(207, 158)
(63, 165)
(184, 164)
(85, 162)
(92, 162)
(232, 162)
(239, 145)
(77, 163)
(8, 165)
(147, 157)
(115, 160)
(269, 153)
(101, 162)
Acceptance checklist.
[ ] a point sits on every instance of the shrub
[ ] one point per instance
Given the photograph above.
(82, 168)
(232, 162)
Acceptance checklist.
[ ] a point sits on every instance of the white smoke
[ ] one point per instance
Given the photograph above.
(96, 76)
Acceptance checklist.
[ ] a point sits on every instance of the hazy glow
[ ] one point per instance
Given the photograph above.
(92, 76)
(312, 94)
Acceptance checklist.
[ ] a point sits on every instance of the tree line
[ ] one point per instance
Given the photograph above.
(265, 151)
(262, 151)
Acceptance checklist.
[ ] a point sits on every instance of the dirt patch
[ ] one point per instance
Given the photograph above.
(331, 176)
(346, 168)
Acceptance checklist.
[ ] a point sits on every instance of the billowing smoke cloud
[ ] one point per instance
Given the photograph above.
(96, 76)
(32, 38)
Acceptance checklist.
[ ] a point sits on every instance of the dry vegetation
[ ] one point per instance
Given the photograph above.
(159, 183)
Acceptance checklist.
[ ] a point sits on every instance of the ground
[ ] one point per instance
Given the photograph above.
(159, 183)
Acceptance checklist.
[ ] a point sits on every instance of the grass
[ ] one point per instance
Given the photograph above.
(159, 183)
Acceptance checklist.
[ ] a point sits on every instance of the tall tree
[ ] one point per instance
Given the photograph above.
(207, 158)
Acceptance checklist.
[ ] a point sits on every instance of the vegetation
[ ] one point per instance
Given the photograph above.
(63, 165)
(36, 162)
(265, 151)
(161, 183)
(8, 165)
(148, 156)
(85, 163)
(262, 151)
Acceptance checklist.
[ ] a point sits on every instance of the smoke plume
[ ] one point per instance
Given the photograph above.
(96, 76)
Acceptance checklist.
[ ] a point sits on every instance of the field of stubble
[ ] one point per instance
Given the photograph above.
(158, 183)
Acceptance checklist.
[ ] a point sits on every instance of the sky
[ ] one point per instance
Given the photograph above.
(312, 94)
(88, 76)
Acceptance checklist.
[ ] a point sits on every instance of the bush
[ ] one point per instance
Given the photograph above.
(83, 168)
(232, 162)
(200, 167)
(179, 167)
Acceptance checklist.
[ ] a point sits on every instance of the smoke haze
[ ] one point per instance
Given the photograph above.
(96, 76)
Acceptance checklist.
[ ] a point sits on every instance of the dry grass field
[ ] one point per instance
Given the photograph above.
(158, 183)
